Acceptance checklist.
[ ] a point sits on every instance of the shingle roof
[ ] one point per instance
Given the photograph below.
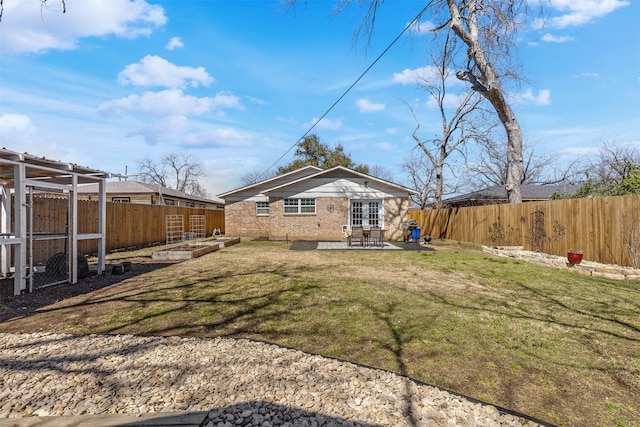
(287, 177)
(338, 171)
(137, 187)
(528, 191)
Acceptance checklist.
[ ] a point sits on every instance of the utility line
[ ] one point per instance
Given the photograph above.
(409, 25)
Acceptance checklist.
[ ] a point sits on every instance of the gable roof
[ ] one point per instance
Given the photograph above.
(137, 187)
(289, 176)
(340, 171)
(528, 191)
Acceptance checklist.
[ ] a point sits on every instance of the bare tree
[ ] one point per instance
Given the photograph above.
(614, 172)
(491, 167)
(175, 170)
(381, 172)
(421, 177)
(488, 28)
(256, 175)
(460, 124)
(613, 162)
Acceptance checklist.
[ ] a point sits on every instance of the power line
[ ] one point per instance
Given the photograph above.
(409, 25)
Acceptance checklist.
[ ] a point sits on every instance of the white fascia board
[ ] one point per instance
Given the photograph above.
(337, 188)
(399, 190)
(271, 182)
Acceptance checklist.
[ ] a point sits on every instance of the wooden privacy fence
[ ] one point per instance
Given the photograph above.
(127, 224)
(603, 228)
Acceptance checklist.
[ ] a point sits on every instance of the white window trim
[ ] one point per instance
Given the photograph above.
(265, 210)
(299, 206)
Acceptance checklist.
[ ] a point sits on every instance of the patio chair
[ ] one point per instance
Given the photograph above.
(376, 236)
(356, 234)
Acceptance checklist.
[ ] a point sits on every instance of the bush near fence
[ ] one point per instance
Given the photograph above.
(604, 229)
(127, 224)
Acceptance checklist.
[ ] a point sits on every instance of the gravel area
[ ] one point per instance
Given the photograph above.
(240, 382)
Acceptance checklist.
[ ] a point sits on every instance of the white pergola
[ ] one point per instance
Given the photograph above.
(20, 172)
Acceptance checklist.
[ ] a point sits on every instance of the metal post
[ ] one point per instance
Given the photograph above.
(73, 229)
(30, 206)
(102, 224)
(20, 215)
(5, 229)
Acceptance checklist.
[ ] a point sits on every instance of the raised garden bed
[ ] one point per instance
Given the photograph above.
(195, 249)
(221, 242)
(185, 252)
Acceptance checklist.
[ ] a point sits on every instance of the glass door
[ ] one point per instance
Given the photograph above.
(366, 213)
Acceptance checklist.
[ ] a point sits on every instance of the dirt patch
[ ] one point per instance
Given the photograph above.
(23, 305)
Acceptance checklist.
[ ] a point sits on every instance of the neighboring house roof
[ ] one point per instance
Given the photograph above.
(274, 181)
(339, 172)
(529, 192)
(137, 187)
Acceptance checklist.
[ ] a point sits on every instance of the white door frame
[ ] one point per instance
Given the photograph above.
(367, 219)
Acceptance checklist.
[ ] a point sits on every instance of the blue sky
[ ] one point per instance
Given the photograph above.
(236, 83)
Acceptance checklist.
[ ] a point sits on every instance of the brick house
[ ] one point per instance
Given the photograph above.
(316, 204)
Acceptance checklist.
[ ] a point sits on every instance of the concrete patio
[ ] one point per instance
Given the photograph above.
(308, 245)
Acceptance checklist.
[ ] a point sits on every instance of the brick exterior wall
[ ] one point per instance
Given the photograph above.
(326, 224)
(395, 213)
(241, 220)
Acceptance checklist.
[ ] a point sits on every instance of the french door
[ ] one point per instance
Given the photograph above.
(366, 213)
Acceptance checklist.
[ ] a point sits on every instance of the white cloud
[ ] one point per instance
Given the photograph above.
(366, 106)
(19, 133)
(220, 136)
(33, 27)
(326, 124)
(168, 102)
(14, 127)
(579, 12)
(174, 43)
(392, 131)
(422, 27)
(556, 39)
(156, 71)
(169, 129)
(589, 75)
(180, 131)
(385, 146)
(409, 76)
(421, 75)
(527, 97)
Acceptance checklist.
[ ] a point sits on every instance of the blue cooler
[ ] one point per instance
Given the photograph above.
(415, 234)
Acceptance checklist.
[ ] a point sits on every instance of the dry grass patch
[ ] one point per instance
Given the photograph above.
(559, 346)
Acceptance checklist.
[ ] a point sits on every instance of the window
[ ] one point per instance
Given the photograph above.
(300, 206)
(262, 208)
(121, 199)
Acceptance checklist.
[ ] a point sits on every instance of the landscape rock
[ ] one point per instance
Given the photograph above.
(240, 382)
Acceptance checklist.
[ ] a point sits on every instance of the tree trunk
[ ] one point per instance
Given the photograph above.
(488, 85)
(439, 186)
(514, 161)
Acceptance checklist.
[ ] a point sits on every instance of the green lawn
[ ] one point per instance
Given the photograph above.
(553, 344)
